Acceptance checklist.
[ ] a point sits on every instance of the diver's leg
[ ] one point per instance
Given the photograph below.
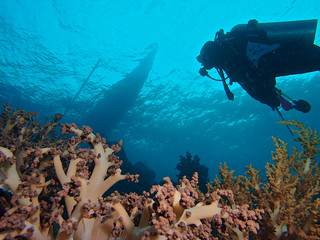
(291, 59)
(269, 96)
(263, 90)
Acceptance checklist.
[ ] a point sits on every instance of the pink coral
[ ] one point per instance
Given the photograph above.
(57, 182)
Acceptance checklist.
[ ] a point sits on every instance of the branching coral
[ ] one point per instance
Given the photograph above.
(175, 213)
(55, 188)
(56, 192)
(187, 166)
(290, 194)
(37, 202)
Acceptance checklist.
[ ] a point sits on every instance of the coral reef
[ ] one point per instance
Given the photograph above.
(187, 166)
(146, 175)
(56, 186)
(290, 194)
(53, 187)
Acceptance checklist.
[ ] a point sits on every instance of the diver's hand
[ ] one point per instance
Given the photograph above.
(203, 72)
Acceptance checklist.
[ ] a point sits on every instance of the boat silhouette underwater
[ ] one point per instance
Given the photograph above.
(119, 98)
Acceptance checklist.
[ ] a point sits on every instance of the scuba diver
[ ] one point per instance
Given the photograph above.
(254, 54)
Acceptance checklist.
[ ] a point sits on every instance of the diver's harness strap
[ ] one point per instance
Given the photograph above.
(203, 72)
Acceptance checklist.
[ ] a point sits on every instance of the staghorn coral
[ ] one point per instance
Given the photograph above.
(56, 192)
(289, 195)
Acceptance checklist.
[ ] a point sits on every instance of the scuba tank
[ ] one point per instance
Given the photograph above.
(278, 32)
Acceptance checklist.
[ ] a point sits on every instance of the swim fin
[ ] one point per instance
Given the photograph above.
(301, 105)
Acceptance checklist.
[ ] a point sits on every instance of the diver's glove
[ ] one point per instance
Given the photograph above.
(203, 72)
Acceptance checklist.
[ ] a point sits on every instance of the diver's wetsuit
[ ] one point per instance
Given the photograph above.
(287, 59)
(250, 59)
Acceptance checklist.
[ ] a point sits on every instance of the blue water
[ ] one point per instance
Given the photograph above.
(49, 47)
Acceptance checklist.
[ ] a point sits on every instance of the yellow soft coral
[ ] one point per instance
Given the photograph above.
(289, 195)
